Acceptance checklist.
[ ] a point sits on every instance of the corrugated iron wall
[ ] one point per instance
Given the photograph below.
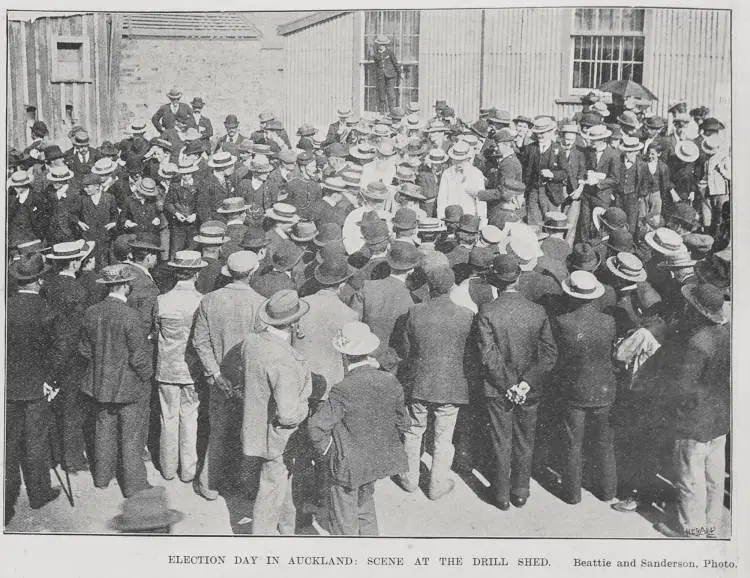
(30, 51)
(319, 72)
(525, 65)
(687, 54)
(449, 60)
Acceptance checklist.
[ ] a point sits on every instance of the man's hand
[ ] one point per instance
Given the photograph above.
(547, 174)
(222, 383)
(130, 224)
(110, 226)
(675, 196)
(180, 217)
(83, 226)
(49, 392)
(156, 222)
(191, 218)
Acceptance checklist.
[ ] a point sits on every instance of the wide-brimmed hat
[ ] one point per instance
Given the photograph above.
(283, 212)
(524, 248)
(147, 187)
(614, 218)
(711, 123)
(525, 119)
(431, 225)
(583, 258)
(333, 267)
(187, 260)
(303, 231)
(460, 151)
(492, 235)
(505, 268)
(146, 241)
(260, 164)
(174, 92)
(114, 274)
(187, 167)
(630, 144)
(583, 285)
(20, 179)
(221, 160)
(232, 205)
(212, 233)
(556, 221)
(708, 300)
(60, 174)
(71, 250)
(627, 266)
(52, 153)
(481, 258)
(376, 190)
(145, 510)
(628, 119)
(678, 260)
(254, 238)
(337, 184)
(382, 39)
(403, 256)
(654, 122)
(599, 132)
(469, 223)
(687, 151)
(362, 151)
(665, 241)
(405, 219)
(543, 124)
(167, 171)
(28, 268)
(620, 240)
(355, 338)
(282, 308)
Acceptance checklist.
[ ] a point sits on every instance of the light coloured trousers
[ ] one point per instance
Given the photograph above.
(442, 458)
(179, 430)
(274, 511)
(699, 473)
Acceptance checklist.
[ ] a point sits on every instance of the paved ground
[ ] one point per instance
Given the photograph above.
(461, 513)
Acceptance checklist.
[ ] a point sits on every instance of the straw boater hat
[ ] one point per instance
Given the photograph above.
(283, 212)
(708, 300)
(583, 285)
(627, 266)
(382, 39)
(665, 241)
(232, 205)
(599, 132)
(240, 263)
(221, 160)
(556, 221)
(146, 510)
(187, 260)
(431, 225)
(630, 144)
(104, 166)
(543, 124)
(167, 171)
(60, 174)
(525, 249)
(137, 126)
(212, 233)
(687, 151)
(260, 164)
(28, 268)
(147, 187)
(460, 151)
(282, 308)
(436, 157)
(187, 168)
(114, 274)
(71, 250)
(362, 152)
(355, 338)
(376, 191)
(20, 179)
(680, 260)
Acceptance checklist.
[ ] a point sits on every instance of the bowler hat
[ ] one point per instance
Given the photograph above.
(403, 256)
(28, 268)
(708, 300)
(282, 308)
(197, 102)
(174, 93)
(505, 268)
(627, 266)
(469, 223)
(355, 338)
(333, 267)
(583, 285)
(231, 121)
(52, 153)
(481, 258)
(303, 232)
(305, 158)
(115, 274)
(453, 214)
(254, 238)
(328, 232)
(480, 128)
(196, 147)
(405, 219)
(146, 510)
(187, 260)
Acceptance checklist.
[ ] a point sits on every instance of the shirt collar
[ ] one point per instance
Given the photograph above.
(284, 335)
(67, 273)
(28, 291)
(118, 297)
(23, 196)
(62, 192)
(365, 362)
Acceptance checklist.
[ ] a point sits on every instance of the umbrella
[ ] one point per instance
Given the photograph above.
(627, 88)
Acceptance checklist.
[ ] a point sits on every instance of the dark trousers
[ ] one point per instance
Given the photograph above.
(630, 203)
(120, 432)
(387, 94)
(512, 436)
(596, 419)
(352, 510)
(27, 450)
(589, 200)
(181, 238)
(68, 444)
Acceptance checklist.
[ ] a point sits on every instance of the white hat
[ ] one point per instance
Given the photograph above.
(355, 338)
(583, 285)
(71, 250)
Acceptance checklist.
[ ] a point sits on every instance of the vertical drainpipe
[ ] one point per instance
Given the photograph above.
(481, 60)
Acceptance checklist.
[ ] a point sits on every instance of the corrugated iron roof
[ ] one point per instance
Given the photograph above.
(189, 25)
(308, 20)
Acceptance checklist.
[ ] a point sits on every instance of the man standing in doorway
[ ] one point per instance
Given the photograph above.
(387, 74)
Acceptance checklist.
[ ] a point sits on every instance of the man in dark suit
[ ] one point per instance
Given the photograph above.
(585, 339)
(387, 74)
(27, 210)
(205, 128)
(28, 384)
(635, 181)
(516, 350)
(504, 180)
(544, 177)
(231, 140)
(338, 131)
(435, 376)
(216, 187)
(96, 217)
(164, 118)
(82, 156)
(358, 427)
(600, 192)
(68, 300)
(118, 378)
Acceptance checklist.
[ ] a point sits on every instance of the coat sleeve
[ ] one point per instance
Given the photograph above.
(202, 341)
(84, 343)
(320, 426)
(156, 120)
(492, 361)
(138, 353)
(403, 421)
(546, 357)
(283, 379)
(612, 179)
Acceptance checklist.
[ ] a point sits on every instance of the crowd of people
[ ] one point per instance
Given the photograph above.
(247, 309)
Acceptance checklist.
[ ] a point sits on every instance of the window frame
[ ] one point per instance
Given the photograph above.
(363, 61)
(574, 32)
(85, 43)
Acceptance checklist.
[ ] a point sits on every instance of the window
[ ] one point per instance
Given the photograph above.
(70, 59)
(607, 45)
(402, 27)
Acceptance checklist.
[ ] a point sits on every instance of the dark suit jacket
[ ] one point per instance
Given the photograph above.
(363, 419)
(205, 128)
(68, 300)
(508, 168)
(434, 347)
(585, 339)
(303, 194)
(29, 323)
(238, 138)
(142, 214)
(143, 297)
(180, 199)
(332, 136)
(643, 179)
(79, 167)
(163, 118)
(120, 362)
(96, 216)
(430, 186)
(515, 344)
(574, 165)
(211, 192)
(536, 162)
(386, 64)
(609, 164)
(27, 221)
(61, 214)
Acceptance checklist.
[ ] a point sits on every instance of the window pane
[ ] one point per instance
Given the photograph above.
(638, 73)
(607, 48)
(605, 19)
(391, 23)
(617, 20)
(627, 71)
(638, 52)
(585, 47)
(636, 23)
(586, 75)
(412, 22)
(369, 75)
(616, 45)
(627, 48)
(410, 49)
(577, 83)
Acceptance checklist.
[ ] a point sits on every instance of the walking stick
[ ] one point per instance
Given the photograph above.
(67, 491)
